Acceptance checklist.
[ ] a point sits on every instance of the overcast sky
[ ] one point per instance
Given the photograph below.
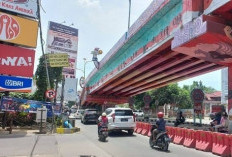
(100, 23)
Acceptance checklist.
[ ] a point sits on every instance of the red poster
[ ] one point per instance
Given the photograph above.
(16, 61)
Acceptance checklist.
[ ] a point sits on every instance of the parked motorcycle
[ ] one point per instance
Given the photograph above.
(103, 133)
(162, 140)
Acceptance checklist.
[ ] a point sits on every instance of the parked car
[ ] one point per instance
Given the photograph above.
(121, 119)
(90, 115)
(138, 113)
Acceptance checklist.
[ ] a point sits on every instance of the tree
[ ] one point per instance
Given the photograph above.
(55, 75)
(199, 85)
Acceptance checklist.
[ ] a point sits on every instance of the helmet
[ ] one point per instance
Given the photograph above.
(103, 114)
(160, 114)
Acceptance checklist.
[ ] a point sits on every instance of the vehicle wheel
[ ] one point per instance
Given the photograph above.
(130, 132)
(151, 143)
(84, 122)
(165, 148)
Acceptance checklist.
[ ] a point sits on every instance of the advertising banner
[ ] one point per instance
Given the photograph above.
(70, 89)
(24, 105)
(63, 39)
(24, 7)
(16, 61)
(15, 84)
(58, 60)
(20, 105)
(17, 30)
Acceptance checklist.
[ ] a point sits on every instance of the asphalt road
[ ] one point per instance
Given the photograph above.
(85, 144)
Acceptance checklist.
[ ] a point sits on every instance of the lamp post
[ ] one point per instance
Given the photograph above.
(85, 62)
(129, 14)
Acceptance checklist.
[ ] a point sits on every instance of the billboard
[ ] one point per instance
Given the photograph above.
(16, 61)
(17, 30)
(63, 39)
(15, 84)
(58, 60)
(70, 89)
(24, 105)
(24, 7)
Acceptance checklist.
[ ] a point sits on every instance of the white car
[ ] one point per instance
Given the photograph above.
(121, 119)
(138, 113)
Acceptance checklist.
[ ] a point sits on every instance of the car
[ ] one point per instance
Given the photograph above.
(121, 119)
(79, 114)
(89, 115)
(138, 113)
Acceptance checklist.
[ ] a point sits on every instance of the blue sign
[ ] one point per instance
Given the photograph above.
(9, 83)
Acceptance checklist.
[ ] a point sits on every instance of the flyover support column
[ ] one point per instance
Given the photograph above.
(230, 98)
(229, 88)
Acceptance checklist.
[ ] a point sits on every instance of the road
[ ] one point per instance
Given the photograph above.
(85, 143)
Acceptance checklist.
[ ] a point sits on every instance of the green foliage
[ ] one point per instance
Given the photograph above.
(199, 85)
(55, 74)
(21, 95)
(172, 94)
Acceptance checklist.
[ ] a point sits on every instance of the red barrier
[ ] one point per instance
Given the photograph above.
(136, 127)
(139, 130)
(189, 140)
(171, 132)
(179, 136)
(145, 129)
(221, 144)
(203, 140)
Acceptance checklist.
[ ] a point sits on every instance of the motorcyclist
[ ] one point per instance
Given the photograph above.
(159, 125)
(179, 118)
(102, 121)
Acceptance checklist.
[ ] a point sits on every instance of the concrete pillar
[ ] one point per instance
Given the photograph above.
(230, 98)
(229, 88)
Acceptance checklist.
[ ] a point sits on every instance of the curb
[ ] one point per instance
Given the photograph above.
(67, 130)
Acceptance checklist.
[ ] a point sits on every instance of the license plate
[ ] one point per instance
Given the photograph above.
(124, 120)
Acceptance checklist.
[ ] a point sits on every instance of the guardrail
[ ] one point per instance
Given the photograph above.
(217, 143)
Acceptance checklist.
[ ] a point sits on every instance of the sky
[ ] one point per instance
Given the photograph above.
(101, 23)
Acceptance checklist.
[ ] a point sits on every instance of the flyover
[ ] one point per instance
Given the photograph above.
(172, 40)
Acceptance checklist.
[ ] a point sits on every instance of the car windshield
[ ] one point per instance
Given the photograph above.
(123, 113)
(91, 112)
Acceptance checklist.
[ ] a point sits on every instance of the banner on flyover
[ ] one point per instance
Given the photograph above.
(58, 60)
(24, 7)
(15, 84)
(17, 30)
(16, 61)
(63, 39)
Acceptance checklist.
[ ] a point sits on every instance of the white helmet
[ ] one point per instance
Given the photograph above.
(103, 114)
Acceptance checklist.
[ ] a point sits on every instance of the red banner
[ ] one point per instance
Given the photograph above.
(16, 61)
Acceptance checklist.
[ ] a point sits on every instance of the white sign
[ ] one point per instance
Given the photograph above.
(63, 39)
(42, 111)
(70, 89)
(24, 7)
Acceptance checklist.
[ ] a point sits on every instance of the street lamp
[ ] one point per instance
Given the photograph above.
(85, 62)
(129, 14)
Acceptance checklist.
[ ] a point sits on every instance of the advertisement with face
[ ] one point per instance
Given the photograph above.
(63, 39)
(16, 61)
(17, 30)
(24, 7)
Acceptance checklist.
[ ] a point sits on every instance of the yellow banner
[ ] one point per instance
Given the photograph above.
(58, 60)
(18, 30)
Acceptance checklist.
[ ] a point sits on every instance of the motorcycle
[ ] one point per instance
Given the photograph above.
(103, 133)
(162, 140)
